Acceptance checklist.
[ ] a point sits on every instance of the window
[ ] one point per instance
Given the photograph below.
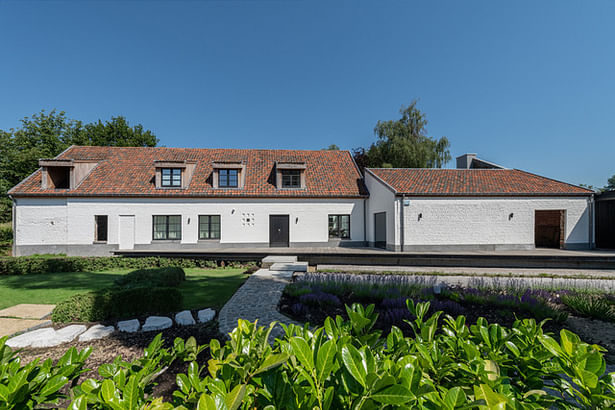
(100, 228)
(171, 177)
(167, 227)
(59, 177)
(291, 178)
(209, 226)
(339, 226)
(228, 178)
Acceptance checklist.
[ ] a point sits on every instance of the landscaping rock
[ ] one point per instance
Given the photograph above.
(128, 326)
(157, 323)
(26, 339)
(64, 335)
(184, 318)
(96, 332)
(206, 315)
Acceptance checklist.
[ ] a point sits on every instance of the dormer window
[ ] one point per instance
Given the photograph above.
(171, 177)
(290, 175)
(228, 178)
(64, 173)
(228, 174)
(291, 178)
(173, 174)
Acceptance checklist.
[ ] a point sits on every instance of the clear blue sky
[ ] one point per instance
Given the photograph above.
(528, 84)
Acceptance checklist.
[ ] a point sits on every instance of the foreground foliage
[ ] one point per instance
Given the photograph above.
(447, 364)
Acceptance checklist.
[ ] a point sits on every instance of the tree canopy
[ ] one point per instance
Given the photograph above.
(47, 134)
(610, 186)
(404, 143)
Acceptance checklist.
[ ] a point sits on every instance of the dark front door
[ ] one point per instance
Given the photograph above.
(605, 224)
(380, 230)
(278, 230)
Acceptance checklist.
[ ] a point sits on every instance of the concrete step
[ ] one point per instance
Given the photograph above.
(267, 261)
(293, 267)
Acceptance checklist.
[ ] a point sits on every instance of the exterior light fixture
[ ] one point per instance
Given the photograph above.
(511, 216)
(420, 216)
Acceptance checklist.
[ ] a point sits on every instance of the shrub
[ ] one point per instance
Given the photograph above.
(171, 276)
(594, 306)
(6, 233)
(23, 265)
(449, 365)
(117, 303)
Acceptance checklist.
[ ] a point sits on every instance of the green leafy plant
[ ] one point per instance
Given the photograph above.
(162, 277)
(37, 383)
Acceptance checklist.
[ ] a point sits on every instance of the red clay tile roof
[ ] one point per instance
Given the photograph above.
(129, 171)
(473, 182)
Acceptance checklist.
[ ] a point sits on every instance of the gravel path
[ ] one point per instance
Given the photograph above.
(257, 299)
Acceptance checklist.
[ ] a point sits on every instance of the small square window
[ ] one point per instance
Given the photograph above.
(339, 226)
(171, 177)
(228, 178)
(291, 179)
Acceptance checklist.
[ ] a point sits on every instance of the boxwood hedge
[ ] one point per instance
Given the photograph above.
(24, 265)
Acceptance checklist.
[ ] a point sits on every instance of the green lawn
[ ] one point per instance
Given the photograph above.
(202, 288)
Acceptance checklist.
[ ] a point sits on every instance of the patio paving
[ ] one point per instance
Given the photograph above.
(23, 317)
(28, 311)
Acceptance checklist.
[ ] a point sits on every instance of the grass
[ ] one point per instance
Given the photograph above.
(202, 288)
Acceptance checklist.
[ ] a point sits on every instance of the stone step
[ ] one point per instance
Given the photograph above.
(267, 261)
(293, 267)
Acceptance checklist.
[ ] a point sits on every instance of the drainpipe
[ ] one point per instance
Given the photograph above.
(365, 222)
(590, 207)
(401, 222)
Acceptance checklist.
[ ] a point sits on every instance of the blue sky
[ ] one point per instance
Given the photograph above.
(528, 84)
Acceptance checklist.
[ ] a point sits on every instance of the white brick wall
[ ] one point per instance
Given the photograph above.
(476, 221)
(381, 199)
(43, 221)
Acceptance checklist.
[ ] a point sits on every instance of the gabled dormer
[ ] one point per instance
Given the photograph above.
(290, 175)
(231, 174)
(173, 174)
(64, 173)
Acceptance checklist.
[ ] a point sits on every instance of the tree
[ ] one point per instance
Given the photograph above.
(610, 186)
(47, 134)
(404, 143)
(332, 147)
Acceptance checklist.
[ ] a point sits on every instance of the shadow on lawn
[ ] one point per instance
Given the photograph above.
(75, 281)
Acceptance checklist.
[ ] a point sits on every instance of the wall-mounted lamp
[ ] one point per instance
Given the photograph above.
(420, 216)
(297, 220)
(511, 216)
(188, 221)
(232, 211)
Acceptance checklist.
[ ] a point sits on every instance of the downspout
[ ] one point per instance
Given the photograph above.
(365, 222)
(591, 221)
(401, 223)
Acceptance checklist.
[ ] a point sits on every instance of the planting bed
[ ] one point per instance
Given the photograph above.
(314, 296)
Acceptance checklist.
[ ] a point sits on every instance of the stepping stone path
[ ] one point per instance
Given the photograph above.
(184, 318)
(206, 315)
(157, 323)
(96, 332)
(128, 326)
(260, 295)
(64, 335)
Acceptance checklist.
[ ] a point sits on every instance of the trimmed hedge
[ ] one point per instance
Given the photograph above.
(118, 303)
(161, 277)
(138, 292)
(25, 265)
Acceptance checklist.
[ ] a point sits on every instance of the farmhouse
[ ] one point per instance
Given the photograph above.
(95, 200)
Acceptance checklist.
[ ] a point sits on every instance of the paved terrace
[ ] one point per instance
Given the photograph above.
(537, 258)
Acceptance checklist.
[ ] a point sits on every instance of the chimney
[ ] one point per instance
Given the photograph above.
(465, 161)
